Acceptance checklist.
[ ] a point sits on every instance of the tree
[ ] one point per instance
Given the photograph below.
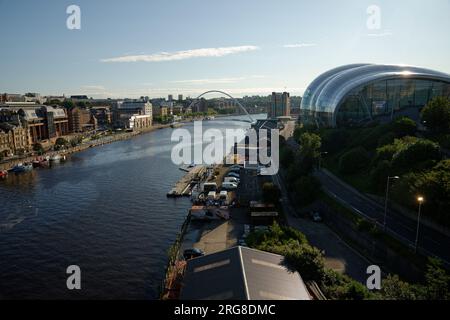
(436, 115)
(392, 288)
(310, 144)
(37, 147)
(307, 190)
(68, 104)
(353, 160)
(414, 153)
(60, 143)
(404, 126)
(271, 193)
(437, 281)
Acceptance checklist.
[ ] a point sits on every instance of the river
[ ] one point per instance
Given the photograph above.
(105, 210)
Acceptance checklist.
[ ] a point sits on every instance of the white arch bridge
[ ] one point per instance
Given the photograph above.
(250, 120)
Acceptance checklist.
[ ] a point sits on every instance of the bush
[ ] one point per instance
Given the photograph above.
(415, 153)
(386, 139)
(404, 126)
(353, 160)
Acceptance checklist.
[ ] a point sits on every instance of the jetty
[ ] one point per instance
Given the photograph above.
(184, 186)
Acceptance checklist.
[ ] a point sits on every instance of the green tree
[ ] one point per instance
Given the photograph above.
(392, 288)
(310, 144)
(436, 115)
(37, 147)
(437, 281)
(404, 126)
(307, 189)
(354, 160)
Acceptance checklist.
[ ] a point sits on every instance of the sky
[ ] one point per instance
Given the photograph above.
(248, 47)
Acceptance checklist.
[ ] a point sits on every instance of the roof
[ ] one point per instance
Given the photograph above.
(327, 90)
(241, 273)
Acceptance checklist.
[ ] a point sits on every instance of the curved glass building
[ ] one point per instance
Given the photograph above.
(357, 93)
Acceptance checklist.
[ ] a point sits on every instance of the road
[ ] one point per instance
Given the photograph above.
(339, 256)
(431, 241)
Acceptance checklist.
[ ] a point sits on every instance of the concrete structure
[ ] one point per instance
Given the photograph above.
(357, 93)
(280, 106)
(241, 273)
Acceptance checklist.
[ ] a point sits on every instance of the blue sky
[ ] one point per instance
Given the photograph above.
(137, 47)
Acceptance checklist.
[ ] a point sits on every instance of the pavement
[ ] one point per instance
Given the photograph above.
(338, 255)
(431, 242)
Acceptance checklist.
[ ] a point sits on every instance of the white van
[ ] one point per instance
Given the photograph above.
(229, 186)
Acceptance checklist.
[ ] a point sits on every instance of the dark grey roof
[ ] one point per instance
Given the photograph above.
(241, 273)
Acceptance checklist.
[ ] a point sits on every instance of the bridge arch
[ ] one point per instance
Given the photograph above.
(229, 96)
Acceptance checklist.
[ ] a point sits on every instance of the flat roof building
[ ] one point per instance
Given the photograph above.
(358, 93)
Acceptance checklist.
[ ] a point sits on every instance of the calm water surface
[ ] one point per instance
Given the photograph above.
(104, 210)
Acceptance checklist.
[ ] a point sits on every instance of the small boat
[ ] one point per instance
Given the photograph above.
(3, 174)
(19, 168)
(40, 163)
(55, 158)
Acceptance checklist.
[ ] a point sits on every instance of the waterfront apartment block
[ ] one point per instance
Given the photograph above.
(280, 106)
(81, 120)
(14, 140)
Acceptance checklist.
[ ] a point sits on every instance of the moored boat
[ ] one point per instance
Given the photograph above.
(55, 158)
(3, 174)
(19, 168)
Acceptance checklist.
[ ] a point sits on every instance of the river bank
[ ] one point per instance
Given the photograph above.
(9, 164)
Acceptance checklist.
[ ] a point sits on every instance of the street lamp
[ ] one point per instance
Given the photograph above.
(320, 159)
(420, 199)
(386, 199)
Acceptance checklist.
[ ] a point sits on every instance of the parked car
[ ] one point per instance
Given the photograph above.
(229, 186)
(193, 253)
(233, 174)
(231, 179)
(315, 216)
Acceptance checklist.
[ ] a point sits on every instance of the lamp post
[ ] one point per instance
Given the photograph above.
(386, 199)
(420, 199)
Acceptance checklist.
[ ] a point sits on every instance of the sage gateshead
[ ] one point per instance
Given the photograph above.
(355, 94)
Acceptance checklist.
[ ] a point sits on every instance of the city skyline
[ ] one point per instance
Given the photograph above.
(254, 48)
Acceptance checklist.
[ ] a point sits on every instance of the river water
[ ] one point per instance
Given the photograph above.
(105, 210)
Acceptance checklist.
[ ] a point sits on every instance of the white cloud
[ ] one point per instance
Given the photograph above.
(381, 34)
(300, 45)
(182, 55)
(93, 87)
(217, 80)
